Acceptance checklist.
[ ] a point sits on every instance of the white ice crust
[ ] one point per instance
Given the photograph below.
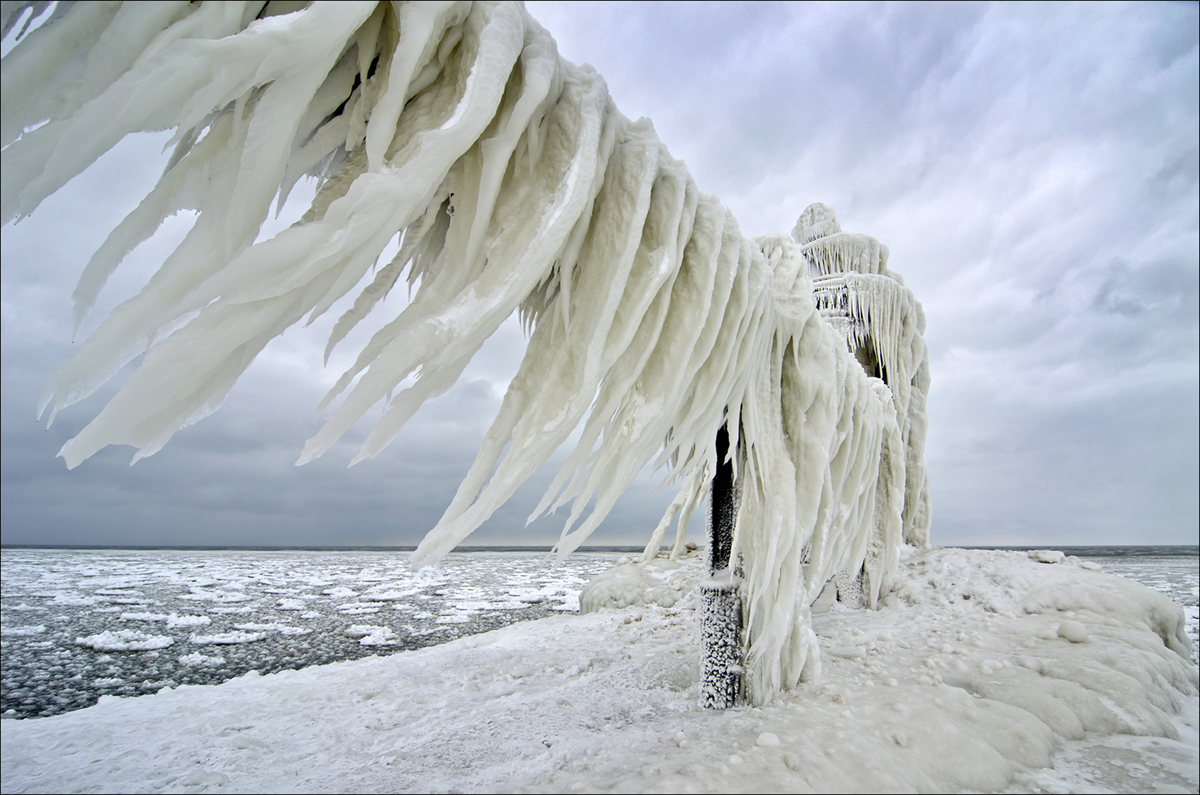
(515, 185)
(960, 682)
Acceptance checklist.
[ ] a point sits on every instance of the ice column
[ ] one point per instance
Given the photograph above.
(720, 604)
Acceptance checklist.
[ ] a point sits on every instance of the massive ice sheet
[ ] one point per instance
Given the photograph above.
(513, 184)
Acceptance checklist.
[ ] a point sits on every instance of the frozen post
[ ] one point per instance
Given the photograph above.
(720, 607)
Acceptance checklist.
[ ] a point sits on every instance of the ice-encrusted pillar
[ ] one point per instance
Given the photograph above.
(720, 607)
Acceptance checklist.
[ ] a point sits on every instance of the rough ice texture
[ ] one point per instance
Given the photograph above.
(514, 185)
(658, 581)
(720, 625)
(937, 692)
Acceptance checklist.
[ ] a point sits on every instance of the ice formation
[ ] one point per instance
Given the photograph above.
(514, 184)
(962, 684)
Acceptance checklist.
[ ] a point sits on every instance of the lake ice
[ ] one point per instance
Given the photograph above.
(78, 624)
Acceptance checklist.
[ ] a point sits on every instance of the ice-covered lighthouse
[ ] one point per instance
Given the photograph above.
(866, 307)
(508, 182)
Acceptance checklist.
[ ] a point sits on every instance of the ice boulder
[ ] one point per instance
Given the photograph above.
(659, 581)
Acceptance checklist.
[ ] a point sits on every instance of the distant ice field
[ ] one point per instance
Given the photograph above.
(79, 624)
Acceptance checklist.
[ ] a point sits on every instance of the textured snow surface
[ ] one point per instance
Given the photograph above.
(513, 184)
(958, 682)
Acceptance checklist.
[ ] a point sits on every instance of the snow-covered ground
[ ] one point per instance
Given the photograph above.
(982, 670)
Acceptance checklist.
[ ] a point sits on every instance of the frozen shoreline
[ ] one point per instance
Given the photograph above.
(272, 610)
(961, 681)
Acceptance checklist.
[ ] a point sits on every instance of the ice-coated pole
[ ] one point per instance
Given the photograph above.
(720, 607)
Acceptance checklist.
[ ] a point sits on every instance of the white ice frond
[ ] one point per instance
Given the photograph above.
(516, 185)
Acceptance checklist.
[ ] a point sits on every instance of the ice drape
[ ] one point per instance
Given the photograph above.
(514, 184)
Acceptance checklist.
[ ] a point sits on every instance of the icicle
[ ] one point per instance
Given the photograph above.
(518, 187)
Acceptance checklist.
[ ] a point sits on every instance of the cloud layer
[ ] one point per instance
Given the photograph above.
(1032, 169)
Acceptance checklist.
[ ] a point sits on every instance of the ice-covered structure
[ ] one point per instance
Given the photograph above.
(515, 184)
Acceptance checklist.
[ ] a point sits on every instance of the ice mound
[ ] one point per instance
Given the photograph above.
(966, 584)
(1072, 631)
(658, 581)
(1080, 651)
(1047, 555)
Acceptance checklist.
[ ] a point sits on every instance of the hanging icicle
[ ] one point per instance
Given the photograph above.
(515, 186)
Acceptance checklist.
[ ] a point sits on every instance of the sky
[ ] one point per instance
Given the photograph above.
(1032, 168)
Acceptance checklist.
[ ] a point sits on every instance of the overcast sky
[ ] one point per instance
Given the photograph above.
(1033, 169)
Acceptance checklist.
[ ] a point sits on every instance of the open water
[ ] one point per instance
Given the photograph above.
(77, 624)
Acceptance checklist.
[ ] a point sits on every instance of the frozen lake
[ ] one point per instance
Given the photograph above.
(79, 624)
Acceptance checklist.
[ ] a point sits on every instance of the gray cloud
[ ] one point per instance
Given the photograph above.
(1032, 168)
